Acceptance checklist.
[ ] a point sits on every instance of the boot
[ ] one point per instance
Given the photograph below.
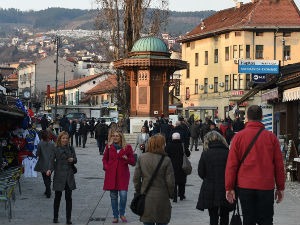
(68, 211)
(56, 209)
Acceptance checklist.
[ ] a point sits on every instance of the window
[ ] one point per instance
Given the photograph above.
(215, 84)
(216, 56)
(287, 52)
(259, 52)
(177, 88)
(240, 80)
(248, 52)
(205, 85)
(188, 44)
(237, 34)
(188, 71)
(226, 53)
(235, 82)
(240, 51)
(226, 35)
(196, 59)
(196, 86)
(206, 58)
(187, 93)
(247, 81)
(259, 34)
(235, 52)
(286, 34)
(226, 82)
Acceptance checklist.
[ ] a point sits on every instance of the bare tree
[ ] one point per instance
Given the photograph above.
(132, 13)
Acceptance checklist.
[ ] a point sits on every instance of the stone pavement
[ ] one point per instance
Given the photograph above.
(91, 205)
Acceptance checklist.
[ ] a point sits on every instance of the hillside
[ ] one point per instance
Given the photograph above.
(60, 18)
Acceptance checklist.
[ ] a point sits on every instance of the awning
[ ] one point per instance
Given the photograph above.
(269, 95)
(291, 94)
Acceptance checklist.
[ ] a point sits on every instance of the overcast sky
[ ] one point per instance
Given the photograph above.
(176, 5)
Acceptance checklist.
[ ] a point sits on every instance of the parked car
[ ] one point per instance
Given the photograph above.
(76, 116)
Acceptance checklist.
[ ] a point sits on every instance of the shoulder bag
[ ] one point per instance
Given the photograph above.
(186, 164)
(137, 204)
(236, 216)
(74, 168)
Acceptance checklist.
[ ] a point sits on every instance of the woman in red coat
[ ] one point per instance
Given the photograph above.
(117, 156)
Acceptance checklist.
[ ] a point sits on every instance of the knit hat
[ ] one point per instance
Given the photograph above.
(176, 136)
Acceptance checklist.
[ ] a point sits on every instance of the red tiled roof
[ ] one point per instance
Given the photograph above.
(259, 14)
(109, 84)
(75, 83)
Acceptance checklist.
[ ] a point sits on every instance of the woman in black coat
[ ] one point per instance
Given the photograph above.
(211, 169)
(175, 152)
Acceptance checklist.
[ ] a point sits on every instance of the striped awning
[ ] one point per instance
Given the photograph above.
(291, 94)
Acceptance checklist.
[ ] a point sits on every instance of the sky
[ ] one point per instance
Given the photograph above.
(175, 5)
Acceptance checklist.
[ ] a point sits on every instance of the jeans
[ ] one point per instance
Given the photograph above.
(78, 139)
(101, 144)
(215, 213)
(84, 138)
(257, 206)
(118, 208)
(150, 223)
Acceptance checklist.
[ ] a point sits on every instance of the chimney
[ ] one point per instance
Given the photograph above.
(238, 5)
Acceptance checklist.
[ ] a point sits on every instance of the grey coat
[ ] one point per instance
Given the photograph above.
(45, 151)
(63, 173)
(157, 204)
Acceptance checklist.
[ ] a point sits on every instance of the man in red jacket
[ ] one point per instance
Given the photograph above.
(258, 174)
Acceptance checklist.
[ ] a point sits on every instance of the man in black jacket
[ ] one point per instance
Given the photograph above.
(101, 133)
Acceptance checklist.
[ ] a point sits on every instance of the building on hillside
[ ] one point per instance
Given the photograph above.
(259, 30)
(71, 93)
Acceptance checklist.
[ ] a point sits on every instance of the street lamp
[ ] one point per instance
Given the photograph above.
(57, 40)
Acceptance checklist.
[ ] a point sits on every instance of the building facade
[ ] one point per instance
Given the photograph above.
(259, 30)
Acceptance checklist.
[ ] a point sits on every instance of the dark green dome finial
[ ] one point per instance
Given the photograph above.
(150, 44)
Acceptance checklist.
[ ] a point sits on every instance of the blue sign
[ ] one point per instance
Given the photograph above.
(259, 78)
(258, 66)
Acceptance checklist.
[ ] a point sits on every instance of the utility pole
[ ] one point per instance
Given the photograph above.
(57, 39)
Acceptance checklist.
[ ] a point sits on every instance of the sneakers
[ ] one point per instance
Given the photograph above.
(115, 220)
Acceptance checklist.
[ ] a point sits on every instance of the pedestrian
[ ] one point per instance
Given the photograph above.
(56, 125)
(157, 203)
(261, 171)
(101, 135)
(92, 127)
(45, 151)
(64, 123)
(51, 134)
(117, 156)
(62, 162)
(83, 130)
(195, 134)
(211, 169)
(141, 141)
(44, 122)
(175, 151)
(71, 131)
(77, 133)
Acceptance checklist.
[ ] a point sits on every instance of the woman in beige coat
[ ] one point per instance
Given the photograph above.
(157, 204)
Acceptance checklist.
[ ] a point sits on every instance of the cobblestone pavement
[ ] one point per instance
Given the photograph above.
(91, 205)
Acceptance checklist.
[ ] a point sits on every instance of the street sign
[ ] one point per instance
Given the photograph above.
(258, 66)
(259, 78)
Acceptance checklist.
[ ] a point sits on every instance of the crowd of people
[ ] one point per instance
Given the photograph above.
(229, 168)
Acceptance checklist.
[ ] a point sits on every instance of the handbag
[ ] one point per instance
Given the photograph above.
(74, 168)
(186, 164)
(236, 216)
(137, 204)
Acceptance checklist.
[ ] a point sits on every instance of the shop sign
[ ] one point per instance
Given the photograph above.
(237, 93)
(259, 78)
(258, 66)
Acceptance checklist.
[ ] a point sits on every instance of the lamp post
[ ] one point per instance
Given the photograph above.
(57, 40)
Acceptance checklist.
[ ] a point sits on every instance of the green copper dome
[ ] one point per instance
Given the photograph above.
(150, 44)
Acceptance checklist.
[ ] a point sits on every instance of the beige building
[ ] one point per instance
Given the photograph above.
(259, 30)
